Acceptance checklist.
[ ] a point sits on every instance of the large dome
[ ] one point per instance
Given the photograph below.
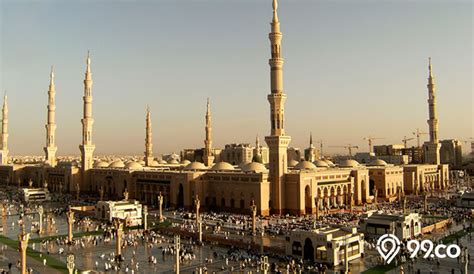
(195, 165)
(222, 166)
(292, 163)
(378, 162)
(133, 165)
(255, 167)
(101, 164)
(320, 163)
(305, 165)
(117, 164)
(349, 163)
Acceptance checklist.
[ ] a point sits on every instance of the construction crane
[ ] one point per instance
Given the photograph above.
(370, 139)
(405, 141)
(320, 142)
(418, 133)
(349, 147)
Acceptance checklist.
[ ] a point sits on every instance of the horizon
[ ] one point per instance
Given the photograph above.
(228, 62)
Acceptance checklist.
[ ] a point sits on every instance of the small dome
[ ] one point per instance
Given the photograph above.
(155, 163)
(349, 163)
(195, 165)
(329, 162)
(173, 162)
(117, 164)
(222, 166)
(101, 164)
(133, 165)
(162, 162)
(141, 162)
(305, 165)
(292, 163)
(378, 162)
(320, 163)
(185, 162)
(255, 167)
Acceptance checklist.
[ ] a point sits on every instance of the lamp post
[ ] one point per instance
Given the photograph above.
(70, 222)
(40, 212)
(253, 209)
(177, 249)
(22, 246)
(160, 205)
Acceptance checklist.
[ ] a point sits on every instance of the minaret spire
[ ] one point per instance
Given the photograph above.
(148, 139)
(87, 147)
(50, 148)
(311, 140)
(208, 156)
(4, 136)
(432, 147)
(277, 141)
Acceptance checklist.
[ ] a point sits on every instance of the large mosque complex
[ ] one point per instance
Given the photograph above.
(277, 184)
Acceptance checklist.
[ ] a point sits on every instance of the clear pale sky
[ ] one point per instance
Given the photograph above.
(352, 68)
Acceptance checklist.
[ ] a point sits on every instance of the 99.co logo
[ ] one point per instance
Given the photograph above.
(431, 251)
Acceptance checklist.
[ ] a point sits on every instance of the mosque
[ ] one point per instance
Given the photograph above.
(280, 186)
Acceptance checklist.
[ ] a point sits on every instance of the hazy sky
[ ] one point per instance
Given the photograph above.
(352, 69)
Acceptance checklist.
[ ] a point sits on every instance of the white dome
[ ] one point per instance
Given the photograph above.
(320, 163)
(155, 163)
(133, 165)
(223, 166)
(378, 162)
(117, 164)
(329, 162)
(173, 162)
(292, 163)
(101, 164)
(162, 162)
(305, 165)
(254, 166)
(141, 162)
(195, 165)
(185, 162)
(349, 163)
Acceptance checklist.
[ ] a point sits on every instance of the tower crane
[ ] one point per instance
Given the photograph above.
(418, 133)
(320, 142)
(405, 141)
(349, 147)
(370, 139)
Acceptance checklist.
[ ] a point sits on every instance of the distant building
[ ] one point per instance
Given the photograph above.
(451, 153)
(398, 154)
(404, 226)
(466, 200)
(129, 210)
(325, 245)
(294, 154)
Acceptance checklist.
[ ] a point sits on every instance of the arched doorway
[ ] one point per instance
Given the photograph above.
(371, 187)
(412, 229)
(308, 250)
(308, 205)
(180, 196)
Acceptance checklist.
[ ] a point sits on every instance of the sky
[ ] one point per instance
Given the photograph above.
(353, 68)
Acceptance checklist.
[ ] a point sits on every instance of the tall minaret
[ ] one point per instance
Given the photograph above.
(432, 147)
(148, 140)
(310, 152)
(4, 144)
(50, 148)
(87, 148)
(277, 141)
(208, 157)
